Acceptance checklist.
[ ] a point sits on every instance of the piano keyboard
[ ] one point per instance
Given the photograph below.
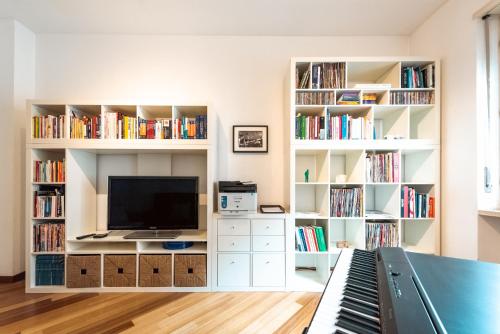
(372, 292)
(352, 295)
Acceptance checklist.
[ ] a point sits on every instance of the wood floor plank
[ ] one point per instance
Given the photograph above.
(131, 313)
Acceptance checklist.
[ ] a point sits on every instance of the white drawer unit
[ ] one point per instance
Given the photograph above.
(236, 243)
(268, 269)
(268, 227)
(250, 252)
(233, 269)
(233, 227)
(268, 243)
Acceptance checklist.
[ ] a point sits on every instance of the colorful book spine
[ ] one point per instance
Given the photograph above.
(48, 171)
(310, 239)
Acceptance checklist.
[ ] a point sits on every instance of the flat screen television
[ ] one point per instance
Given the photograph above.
(152, 203)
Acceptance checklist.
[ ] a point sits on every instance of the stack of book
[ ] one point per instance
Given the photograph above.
(415, 97)
(417, 76)
(310, 239)
(190, 128)
(328, 75)
(348, 127)
(155, 129)
(346, 202)
(48, 203)
(47, 127)
(416, 205)
(48, 237)
(369, 98)
(304, 81)
(382, 167)
(309, 127)
(85, 127)
(349, 98)
(48, 171)
(315, 98)
(381, 234)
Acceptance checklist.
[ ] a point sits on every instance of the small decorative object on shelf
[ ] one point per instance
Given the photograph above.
(342, 244)
(250, 139)
(306, 176)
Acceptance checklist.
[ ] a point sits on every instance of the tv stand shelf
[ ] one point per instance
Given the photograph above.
(118, 148)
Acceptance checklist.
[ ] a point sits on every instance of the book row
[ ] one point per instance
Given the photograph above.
(346, 202)
(419, 97)
(315, 98)
(382, 167)
(323, 75)
(48, 203)
(48, 127)
(340, 127)
(48, 171)
(381, 234)
(416, 205)
(48, 237)
(418, 76)
(310, 239)
(190, 128)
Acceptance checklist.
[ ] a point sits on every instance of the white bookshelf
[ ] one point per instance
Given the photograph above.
(88, 163)
(416, 125)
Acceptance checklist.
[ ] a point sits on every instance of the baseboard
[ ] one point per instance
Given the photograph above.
(12, 279)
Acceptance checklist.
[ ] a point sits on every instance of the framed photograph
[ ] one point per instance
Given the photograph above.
(250, 139)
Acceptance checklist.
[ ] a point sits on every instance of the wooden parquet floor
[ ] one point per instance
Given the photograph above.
(144, 313)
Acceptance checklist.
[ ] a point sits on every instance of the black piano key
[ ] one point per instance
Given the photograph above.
(368, 282)
(365, 292)
(362, 293)
(368, 273)
(362, 283)
(362, 277)
(363, 288)
(360, 308)
(339, 331)
(367, 321)
(361, 297)
(354, 299)
(353, 327)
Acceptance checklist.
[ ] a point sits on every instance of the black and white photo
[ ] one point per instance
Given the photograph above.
(250, 138)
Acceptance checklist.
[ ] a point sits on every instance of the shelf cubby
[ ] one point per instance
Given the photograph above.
(312, 200)
(419, 166)
(102, 247)
(418, 235)
(391, 122)
(301, 69)
(384, 199)
(350, 163)
(350, 230)
(90, 112)
(316, 162)
(46, 111)
(423, 123)
(369, 72)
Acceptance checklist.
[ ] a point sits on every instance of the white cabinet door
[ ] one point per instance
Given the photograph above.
(233, 243)
(233, 227)
(268, 269)
(233, 270)
(268, 243)
(268, 227)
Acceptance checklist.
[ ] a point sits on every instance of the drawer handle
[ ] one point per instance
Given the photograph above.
(233, 227)
(232, 243)
(233, 262)
(268, 227)
(267, 262)
(267, 243)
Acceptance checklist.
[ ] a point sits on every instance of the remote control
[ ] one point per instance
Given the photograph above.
(85, 236)
(100, 236)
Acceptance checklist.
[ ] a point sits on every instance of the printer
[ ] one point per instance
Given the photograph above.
(236, 197)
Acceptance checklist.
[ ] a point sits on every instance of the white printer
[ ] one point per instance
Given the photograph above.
(236, 197)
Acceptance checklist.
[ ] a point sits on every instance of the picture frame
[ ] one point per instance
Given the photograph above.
(272, 209)
(250, 139)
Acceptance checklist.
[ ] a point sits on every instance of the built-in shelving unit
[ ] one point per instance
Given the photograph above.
(407, 131)
(87, 164)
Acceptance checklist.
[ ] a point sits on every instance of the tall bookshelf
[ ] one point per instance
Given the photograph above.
(89, 161)
(409, 129)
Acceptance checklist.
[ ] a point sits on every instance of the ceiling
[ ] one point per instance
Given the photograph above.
(222, 17)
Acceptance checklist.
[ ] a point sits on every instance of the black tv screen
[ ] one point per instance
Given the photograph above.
(152, 203)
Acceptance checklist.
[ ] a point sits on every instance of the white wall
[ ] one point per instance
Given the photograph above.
(242, 78)
(451, 34)
(17, 85)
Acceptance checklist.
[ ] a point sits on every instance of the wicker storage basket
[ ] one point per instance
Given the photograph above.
(119, 271)
(155, 270)
(83, 271)
(190, 270)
